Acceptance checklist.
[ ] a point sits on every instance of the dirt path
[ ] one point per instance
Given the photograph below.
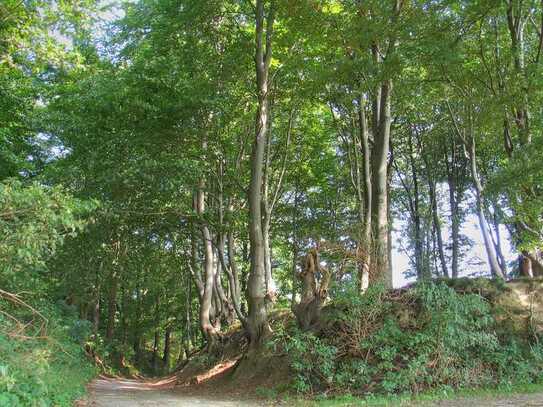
(514, 400)
(105, 392)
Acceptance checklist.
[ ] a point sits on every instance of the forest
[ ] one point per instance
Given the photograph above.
(284, 177)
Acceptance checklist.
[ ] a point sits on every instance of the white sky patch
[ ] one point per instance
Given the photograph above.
(474, 262)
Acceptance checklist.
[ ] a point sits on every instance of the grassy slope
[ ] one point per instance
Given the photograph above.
(47, 370)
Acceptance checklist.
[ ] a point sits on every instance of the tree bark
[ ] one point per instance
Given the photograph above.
(167, 351)
(455, 169)
(206, 326)
(364, 272)
(112, 305)
(379, 171)
(155, 351)
(437, 226)
(315, 283)
(493, 263)
(257, 321)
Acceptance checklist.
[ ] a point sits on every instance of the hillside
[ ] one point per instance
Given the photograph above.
(478, 334)
(42, 362)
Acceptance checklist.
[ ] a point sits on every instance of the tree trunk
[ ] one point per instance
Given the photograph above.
(497, 241)
(364, 272)
(194, 256)
(231, 270)
(437, 226)
(206, 326)
(112, 306)
(96, 311)
(315, 283)
(380, 254)
(257, 321)
(167, 351)
(155, 351)
(455, 227)
(188, 320)
(495, 268)
(295, 248)
(455, 196)
(422, 271)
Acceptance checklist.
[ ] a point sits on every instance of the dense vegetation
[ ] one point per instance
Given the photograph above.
(428, 337)
(44, 364)
(171, 168)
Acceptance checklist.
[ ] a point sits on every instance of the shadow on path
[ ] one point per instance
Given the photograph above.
(114, 392)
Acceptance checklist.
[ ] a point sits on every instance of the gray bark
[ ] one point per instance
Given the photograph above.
(379, 171)
(364, 277)
(257, 321)
(208, 329)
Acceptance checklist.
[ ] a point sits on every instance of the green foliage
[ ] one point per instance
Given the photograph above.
(34, 221)
(166, 106)
(42, 367)
(312, 358)
(429, 337)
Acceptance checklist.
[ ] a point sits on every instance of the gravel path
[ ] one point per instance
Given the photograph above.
(135, 393)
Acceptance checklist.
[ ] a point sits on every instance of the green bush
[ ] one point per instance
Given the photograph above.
(424, 338)
(42, 367)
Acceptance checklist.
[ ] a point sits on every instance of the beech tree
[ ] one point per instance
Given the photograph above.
(211, 161)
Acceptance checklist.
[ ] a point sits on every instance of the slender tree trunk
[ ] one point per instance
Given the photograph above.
(455, 228)
(364, 272)
(422, 272)
(137, 327)
(124, 314)
(188, 319)
(232, 273)
(270, 284)
(193, 265)
(167, 351)
(155, 351)
(112, 305)
(206, 326)
(437, 226)
(455, 194)
(96, 311)
(489, 247)
(516, 21)
(315, 283)
(257, 321)
(157, 336)
(295, 249)
(497, 241)
(379, 171)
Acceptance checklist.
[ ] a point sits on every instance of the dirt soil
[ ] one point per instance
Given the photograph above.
(108, 392)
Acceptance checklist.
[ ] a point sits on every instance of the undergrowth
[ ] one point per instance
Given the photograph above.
(394, 342)
(42, 361)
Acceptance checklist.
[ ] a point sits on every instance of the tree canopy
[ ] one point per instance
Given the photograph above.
(170, 167)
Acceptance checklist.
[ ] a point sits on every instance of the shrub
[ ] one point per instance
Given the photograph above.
(42, 368)
(411, 340)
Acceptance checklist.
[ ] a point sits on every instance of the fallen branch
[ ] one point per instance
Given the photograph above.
(22, 327)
